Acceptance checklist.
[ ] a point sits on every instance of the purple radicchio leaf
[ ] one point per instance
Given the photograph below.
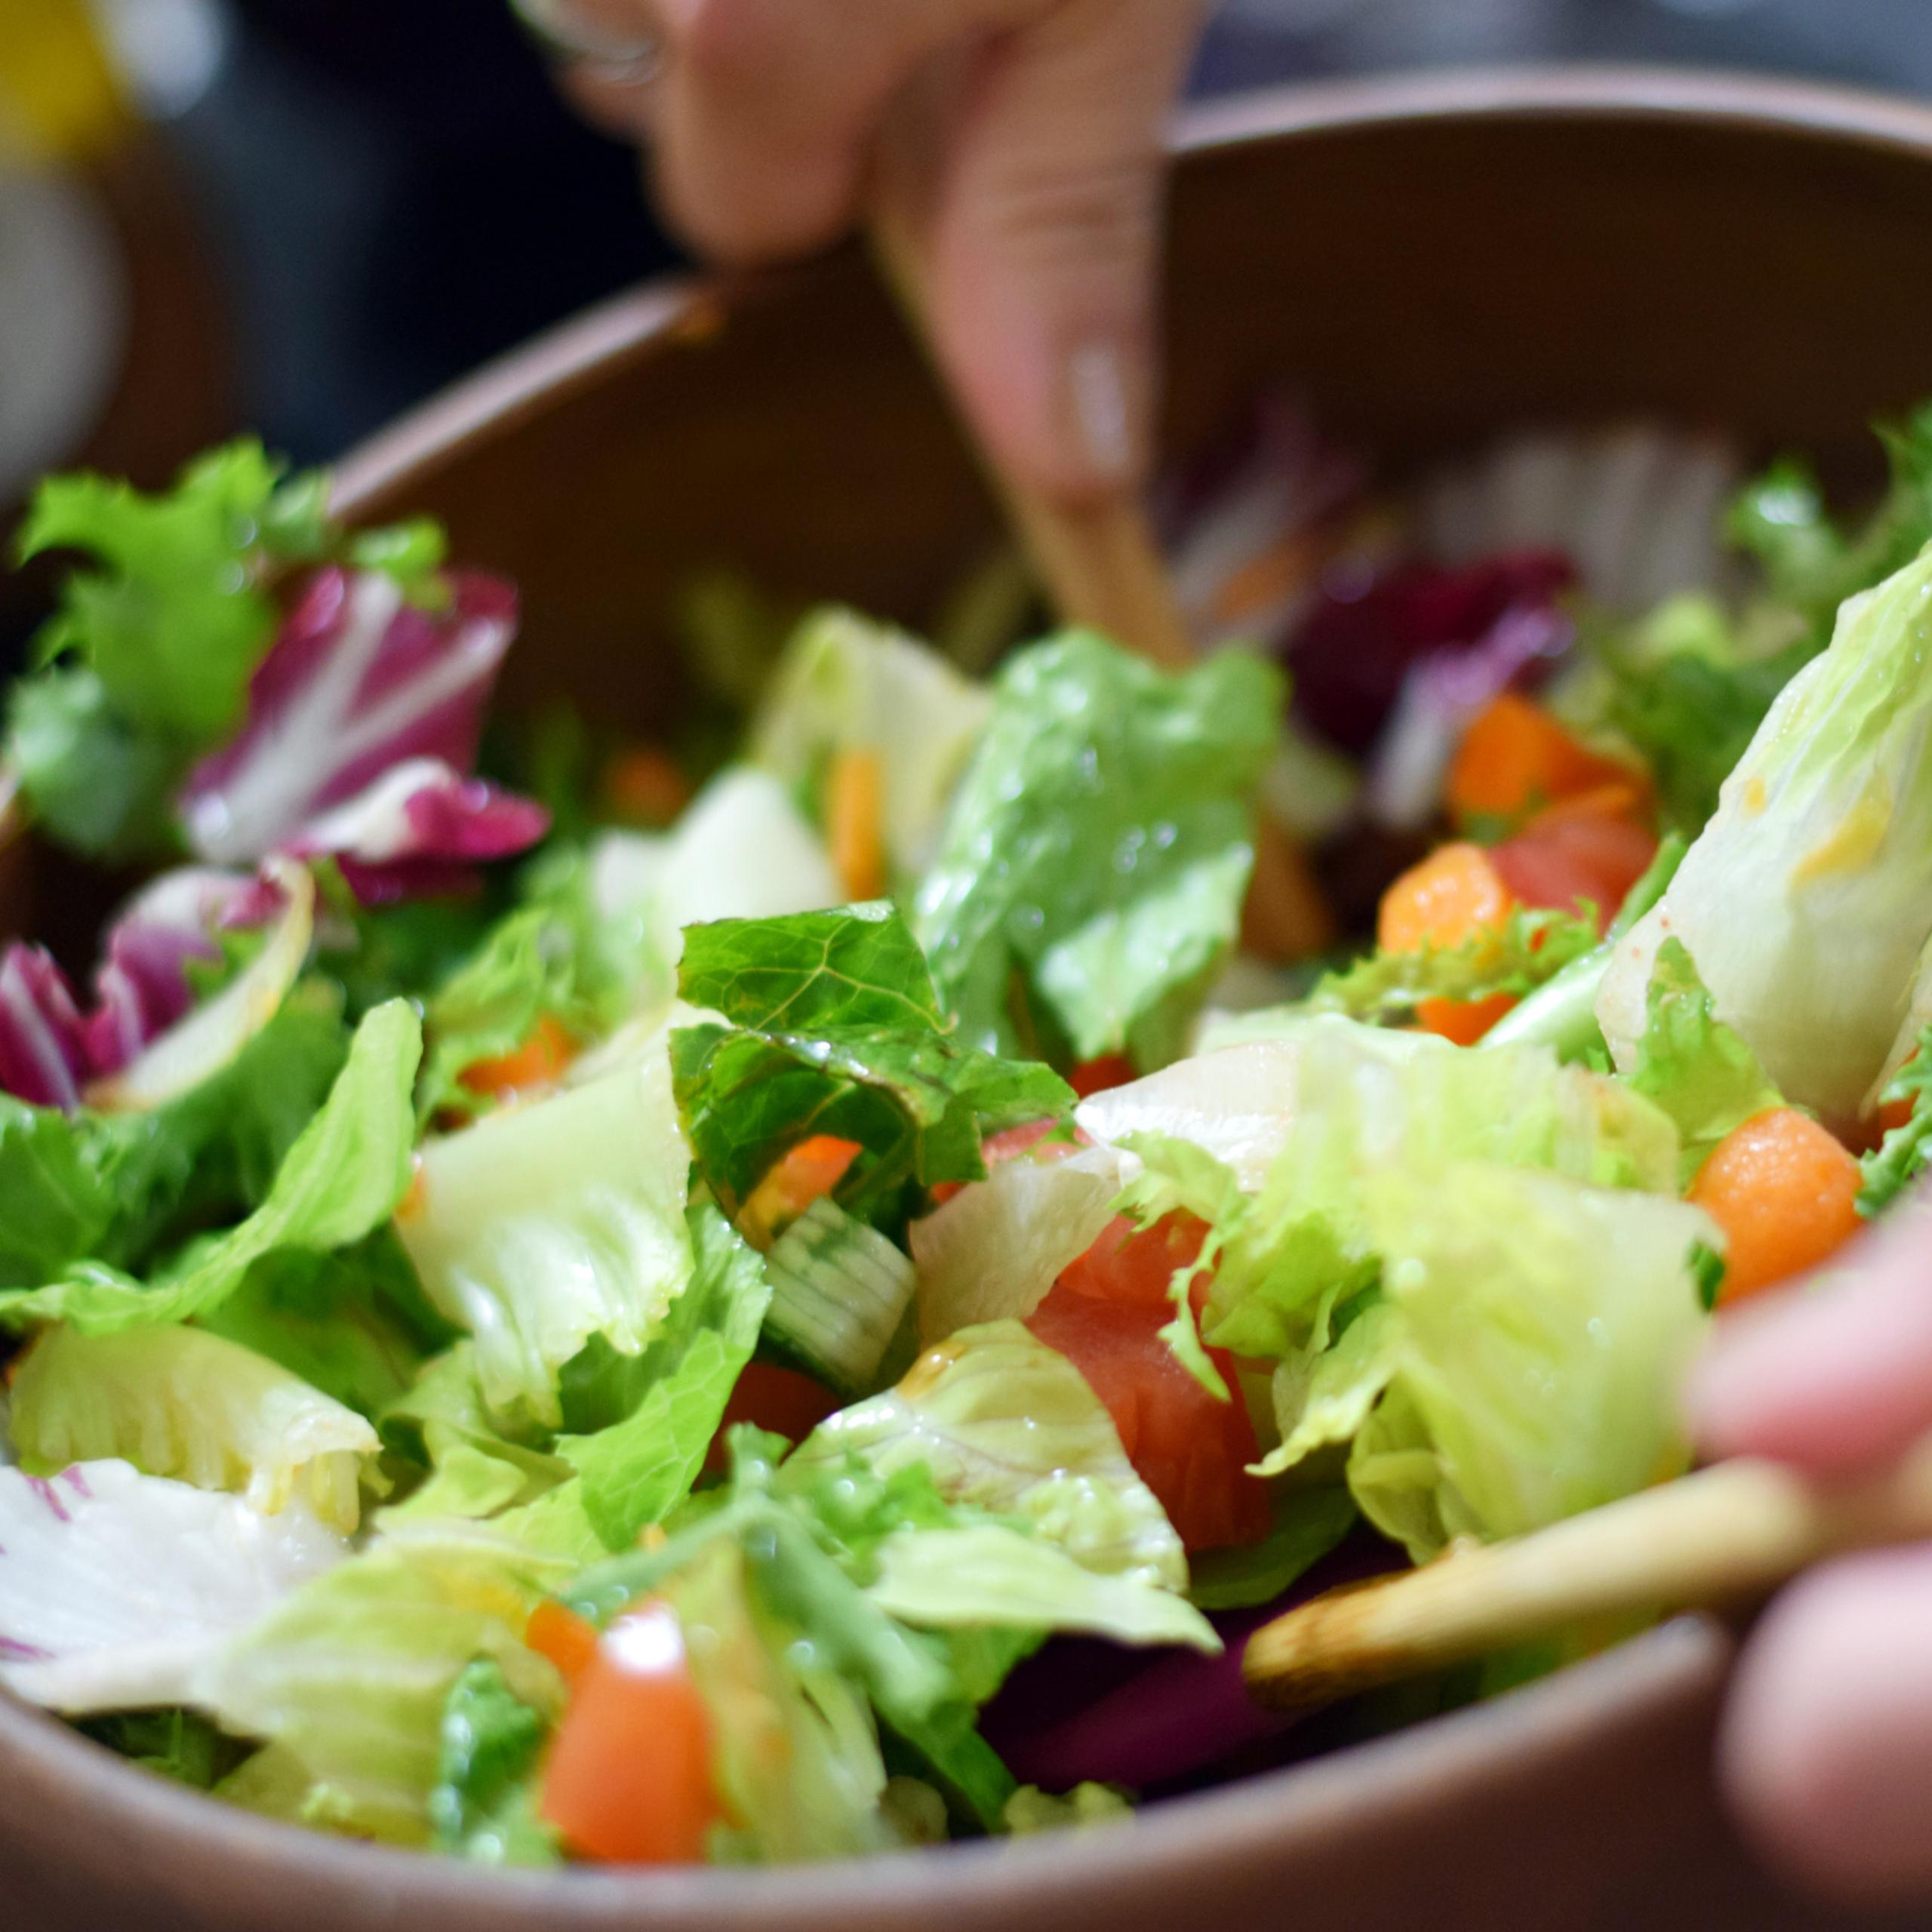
(50, 1048)
(357, 683)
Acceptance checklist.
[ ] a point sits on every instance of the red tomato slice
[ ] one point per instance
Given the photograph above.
(627, 1780)
(1562, 859)
(1096, 1076)
(1104, 1314)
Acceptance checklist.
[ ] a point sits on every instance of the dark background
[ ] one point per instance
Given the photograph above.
(392, 194)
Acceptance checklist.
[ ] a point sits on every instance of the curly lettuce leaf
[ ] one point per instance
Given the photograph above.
(1090, 875)
(1699, 1070)
(342, 1178)
(833, 1026)
(1544, 1329)
(664, 1406)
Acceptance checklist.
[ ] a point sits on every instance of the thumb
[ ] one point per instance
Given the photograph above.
(1045, 232)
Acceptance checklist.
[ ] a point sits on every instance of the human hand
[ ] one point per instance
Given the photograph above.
(1825, 1751)
(1037, 126)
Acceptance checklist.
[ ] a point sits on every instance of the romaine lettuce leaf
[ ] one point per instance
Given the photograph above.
(1807, 902)
(664, 1406)
(845, 683)
(1006, 1425)
(1305, 1525)
(1096, 851)
(342, 1178)
(831, 1026)
(1692, 1065)
(543, 1226)
(1544, 1329)
(178, 1402)
(115, 1587)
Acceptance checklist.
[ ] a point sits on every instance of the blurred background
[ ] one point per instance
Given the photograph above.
(304, 215)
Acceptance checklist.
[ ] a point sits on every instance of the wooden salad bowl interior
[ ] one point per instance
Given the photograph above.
(1426, 262)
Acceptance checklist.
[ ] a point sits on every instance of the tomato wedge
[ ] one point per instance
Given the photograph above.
(1104, 1314)
(783, 1400)
(1566, 856)
(627, 1780)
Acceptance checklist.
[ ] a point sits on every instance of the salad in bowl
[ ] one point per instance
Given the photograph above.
(797, 1289)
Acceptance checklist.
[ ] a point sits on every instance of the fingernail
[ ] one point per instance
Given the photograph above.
(1103, 414)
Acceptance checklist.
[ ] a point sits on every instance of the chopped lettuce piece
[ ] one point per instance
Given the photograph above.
(840, 1293)
(1907, 1150)
(543, 1226)
(1030, 1810)
(986, 1575)
(350, 1675)
(847, 684)
(178, 1402)
(341, 1180)
(1290, 1230)
(56, 1205)
(1807, 902)
(1322, 1394)
(833, 1026)
(115, 1587)
(996, 1248)
(175, 1744)
(481, 1806)
(1006, 1425)
(1695, 1067)
(638, 1466)
(1097, 850)
(1544, 1328)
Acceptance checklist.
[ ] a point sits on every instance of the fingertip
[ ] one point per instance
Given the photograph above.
(1825, 1753)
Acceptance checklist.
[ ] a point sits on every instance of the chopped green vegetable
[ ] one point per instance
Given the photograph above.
(1906, 1151)
(480, 1808)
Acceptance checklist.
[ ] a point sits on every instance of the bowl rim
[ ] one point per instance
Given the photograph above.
(80, 1787)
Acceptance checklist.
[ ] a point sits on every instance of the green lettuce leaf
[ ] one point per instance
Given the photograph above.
(669, 1401)
(55, 1204)
(177, 1744)
(524, 971)
(482, 1807)
(1004, 1424)
(545, 1224)
(833, 1026)
(1544, 1328)
(1696, 1069)
(1806, 901)
(343, 1177)
(1090, 876)
(178, 1402)
(1906, 1151)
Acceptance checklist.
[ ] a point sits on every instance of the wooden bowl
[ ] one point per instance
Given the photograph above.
(1428, 260)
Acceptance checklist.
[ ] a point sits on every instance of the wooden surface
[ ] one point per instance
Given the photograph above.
(1431, 259)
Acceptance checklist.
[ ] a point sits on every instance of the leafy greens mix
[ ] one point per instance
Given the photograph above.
(544, 1337)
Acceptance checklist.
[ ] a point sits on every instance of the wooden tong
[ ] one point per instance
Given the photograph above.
(1728, 1534)
(1101, 567)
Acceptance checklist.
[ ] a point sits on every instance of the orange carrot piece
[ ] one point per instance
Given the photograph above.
(1786, 1194)
(1516, 756)
(855, 821)
(644, 787)
(569, 1640)
(798, 1178)
(540, 1062)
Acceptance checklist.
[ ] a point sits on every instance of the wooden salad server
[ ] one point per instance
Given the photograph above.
(1726, 1536)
